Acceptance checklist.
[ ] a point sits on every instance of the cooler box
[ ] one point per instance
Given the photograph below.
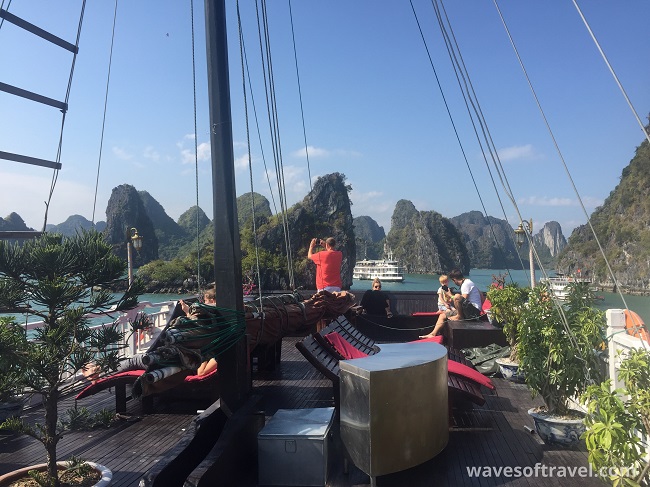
(294, 446)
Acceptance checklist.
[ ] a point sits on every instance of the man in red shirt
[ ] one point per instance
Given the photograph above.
(328, 265)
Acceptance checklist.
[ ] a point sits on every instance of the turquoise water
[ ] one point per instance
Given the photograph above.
(483, 278)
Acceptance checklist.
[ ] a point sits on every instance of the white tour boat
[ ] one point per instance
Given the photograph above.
(387, 269)
(559, 284)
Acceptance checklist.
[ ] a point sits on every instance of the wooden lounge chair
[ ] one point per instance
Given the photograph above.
(205, 386)
(322, 356)
(366, 344)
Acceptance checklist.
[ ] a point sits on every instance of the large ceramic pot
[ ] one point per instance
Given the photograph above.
(11, 408)
(554, 430)
(8, 478)
(510, 370)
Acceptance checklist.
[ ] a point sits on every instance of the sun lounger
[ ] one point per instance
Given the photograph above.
(192, 385)
(325, 358)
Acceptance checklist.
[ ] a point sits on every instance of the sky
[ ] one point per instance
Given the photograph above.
(372, 104)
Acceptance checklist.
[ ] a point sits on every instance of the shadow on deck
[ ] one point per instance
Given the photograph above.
(490, 437)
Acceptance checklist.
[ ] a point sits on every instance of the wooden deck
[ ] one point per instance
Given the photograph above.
(492, 436)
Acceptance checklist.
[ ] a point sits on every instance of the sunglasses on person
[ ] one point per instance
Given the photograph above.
(376, 286)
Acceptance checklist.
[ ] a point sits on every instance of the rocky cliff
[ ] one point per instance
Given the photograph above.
(14, 222)
(125, 210)
(425, 242)
(73, 224)
(490, 241)
(171, 236)
(369, 238)
(622, 225)
(324, 212)
(551, 238)
(193, 220)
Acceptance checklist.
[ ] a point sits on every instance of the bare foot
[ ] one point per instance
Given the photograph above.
(430, 335)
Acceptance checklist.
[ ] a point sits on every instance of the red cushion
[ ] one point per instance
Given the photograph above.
(426, 313)
(472, 374)
(435, 339)
(343, 347)
(199, 378)
(126, 377)
(486, 305)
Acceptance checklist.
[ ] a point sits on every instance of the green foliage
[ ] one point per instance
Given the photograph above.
(12, 340)
(77, 418)
(169, 272)
(558, 343)
(60, 280)
(507, 306)
(614, 420)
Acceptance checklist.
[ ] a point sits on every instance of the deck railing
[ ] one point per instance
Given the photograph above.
(132, 343)
(619, 346)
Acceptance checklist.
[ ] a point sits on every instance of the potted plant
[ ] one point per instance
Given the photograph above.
(617, 419)
(508, 302)
(557, 353)
(60, 280)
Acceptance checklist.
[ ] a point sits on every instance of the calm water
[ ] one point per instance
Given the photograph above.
(483, 278)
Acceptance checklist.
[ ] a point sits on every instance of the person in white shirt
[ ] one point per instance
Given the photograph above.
(467, 303)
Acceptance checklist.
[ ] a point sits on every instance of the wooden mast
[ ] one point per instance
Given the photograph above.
(234, 375)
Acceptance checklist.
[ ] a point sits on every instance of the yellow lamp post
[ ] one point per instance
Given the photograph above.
(134, 240)
(523, 229)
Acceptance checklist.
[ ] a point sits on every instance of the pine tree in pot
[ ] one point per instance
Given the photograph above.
(558, 355)
(508, 301)
(60, 280)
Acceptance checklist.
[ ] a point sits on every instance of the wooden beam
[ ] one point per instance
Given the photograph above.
(9, 156)
(23, 24)
(30, 95)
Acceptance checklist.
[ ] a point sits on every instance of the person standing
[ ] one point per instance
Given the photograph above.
(375, 301)
(328, 264)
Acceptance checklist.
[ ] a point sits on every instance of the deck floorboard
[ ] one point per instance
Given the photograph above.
(491, 436)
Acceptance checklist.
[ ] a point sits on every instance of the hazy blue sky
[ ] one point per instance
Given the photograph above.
(373, 110)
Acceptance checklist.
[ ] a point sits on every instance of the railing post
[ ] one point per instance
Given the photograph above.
(615, 326)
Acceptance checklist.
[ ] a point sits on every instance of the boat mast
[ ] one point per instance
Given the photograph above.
(234, 376)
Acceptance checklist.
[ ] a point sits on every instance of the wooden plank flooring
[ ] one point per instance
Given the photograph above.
(492, 436)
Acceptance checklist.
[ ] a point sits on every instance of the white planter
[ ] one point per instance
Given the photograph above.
(554, 430)
(510, 370)
(10, 477)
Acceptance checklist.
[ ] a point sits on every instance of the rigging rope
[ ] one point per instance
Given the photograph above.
(257, 125)
(302, 113)
(611, 70)
(451, 119)
(101, 140)
(559, 307)
(55, 173)
(557, 148)
(196, 161)
(467, 91)
(2, 20)
(250, 163)
(267, 67)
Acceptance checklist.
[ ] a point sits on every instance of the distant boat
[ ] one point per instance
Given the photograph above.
(559, 284)
(387, 269)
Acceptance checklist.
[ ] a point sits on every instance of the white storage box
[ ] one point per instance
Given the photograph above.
(293, 447)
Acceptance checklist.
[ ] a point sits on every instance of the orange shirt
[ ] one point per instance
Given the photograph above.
(328, 268)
